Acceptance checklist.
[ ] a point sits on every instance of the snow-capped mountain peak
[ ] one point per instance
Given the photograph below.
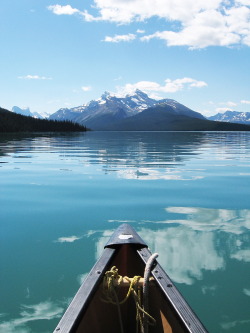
(109, 108)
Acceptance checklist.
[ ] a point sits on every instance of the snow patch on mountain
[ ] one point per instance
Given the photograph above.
(232, 117)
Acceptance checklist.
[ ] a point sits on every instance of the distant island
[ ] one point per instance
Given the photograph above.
(13, 122)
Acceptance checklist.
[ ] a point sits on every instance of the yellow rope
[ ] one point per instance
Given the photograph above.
(111, 283)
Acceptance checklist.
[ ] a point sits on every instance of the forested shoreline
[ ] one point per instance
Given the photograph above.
(12, 122)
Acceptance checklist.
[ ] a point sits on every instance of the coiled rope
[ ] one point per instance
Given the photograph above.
(111, 283)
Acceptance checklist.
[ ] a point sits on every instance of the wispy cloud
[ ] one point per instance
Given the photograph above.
(228, 103)
(169, 86)
(139, 31)
(120, 38)
(234, 324)
(226, 106)
(209, 289)
(231, 104)
(86, 88)
(198, 24)
(34, 77)
(245, 102)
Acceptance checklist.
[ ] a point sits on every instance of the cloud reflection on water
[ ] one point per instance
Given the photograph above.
(242, 255)
(190, 246)
(209, 219)
(183, 253)
(246, 291)
(231, 324)
(42, 311)
(156, 174)
(69, 239)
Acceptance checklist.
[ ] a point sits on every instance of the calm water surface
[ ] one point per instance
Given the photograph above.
(187, 194)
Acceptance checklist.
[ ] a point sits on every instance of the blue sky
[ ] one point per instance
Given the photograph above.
(58, 54)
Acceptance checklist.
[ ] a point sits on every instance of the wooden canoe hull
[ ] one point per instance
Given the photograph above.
(87, 312)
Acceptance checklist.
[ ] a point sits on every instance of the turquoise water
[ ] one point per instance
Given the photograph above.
(187, 194)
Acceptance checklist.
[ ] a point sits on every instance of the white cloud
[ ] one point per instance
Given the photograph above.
(86, 88)
(123, 11)
(63, 10)
(170, 86)
(207, 28)
(245, 102)
(229, 103)
(197, 24)
(34, 77)
(243, 2)
(120, 38)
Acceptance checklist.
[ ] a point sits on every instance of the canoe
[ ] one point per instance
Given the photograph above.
(128, 291)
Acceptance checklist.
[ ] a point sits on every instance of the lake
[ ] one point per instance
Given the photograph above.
(61, 197)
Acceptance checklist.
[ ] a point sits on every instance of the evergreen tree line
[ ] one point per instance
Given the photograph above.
(12, 122)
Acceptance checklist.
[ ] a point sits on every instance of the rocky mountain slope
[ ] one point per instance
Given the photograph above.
(164, 118)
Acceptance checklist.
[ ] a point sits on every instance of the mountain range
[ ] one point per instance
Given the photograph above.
(139, 112)
(232, 117)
